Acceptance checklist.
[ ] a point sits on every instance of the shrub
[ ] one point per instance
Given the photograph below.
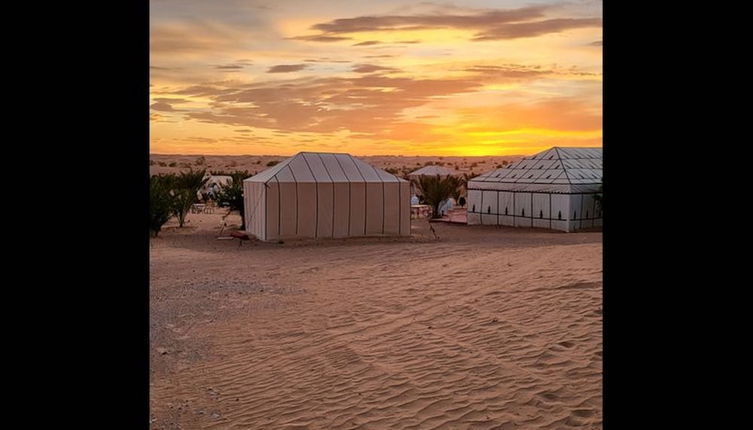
(201, 161)
(162, 163)
(232, 194)
(272, 163)
(185, 191)
(173, 164)
(160, 202)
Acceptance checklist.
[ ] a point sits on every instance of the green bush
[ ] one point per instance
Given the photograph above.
(232, 194)
(185, 191)
(160, 202)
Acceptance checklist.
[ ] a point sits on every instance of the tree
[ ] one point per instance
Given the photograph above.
(232, 194)
(185, 192)
(436, 189)
(160, 202)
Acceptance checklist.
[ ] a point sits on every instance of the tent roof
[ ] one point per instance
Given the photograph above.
(558, 170)
(323, 167)
(431, 171)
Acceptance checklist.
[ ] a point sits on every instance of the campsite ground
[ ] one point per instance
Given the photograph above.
(482, 328)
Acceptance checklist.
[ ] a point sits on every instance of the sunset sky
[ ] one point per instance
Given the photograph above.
(471, 77)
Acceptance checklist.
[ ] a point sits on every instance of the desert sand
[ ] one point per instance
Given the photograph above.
(484, 328)
(163, 163)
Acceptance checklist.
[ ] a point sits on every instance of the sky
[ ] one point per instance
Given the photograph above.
(455, 78)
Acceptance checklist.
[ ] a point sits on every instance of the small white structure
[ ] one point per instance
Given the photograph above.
(446, 206)
(214, 183)
(321, 195)
(553, 189)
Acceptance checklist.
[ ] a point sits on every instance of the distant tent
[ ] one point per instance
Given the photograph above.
(540, 191)
(315, 195)
(214, 183)
(431, 171)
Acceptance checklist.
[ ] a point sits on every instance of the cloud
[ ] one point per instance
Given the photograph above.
(538, 28)
(488, 24)
(509, 71)
(325, 60)
(320, 38)
(401, 22)
(162, 107)
(368, 68)
(286, 68)
(369, 104)
(170, 100)
(368, 43)
(229, 67)
(597, 43)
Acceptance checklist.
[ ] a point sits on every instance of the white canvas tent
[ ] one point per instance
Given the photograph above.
(216, 182)
(553, 189)
(431, 171)
(315, 195)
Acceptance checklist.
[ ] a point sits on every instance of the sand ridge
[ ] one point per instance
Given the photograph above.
(487, 328)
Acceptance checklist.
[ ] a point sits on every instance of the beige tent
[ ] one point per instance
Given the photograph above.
(313, 195)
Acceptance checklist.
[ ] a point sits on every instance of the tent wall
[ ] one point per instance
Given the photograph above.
(357, 217)
(404, 207)
(474, 207)
(527, 209)
(325, 194)
(523, 210)
(374, 208)
(489, 207)
(273, 219)
(560, 210)
(391, 219)
(341, 210)
(307, 210)
(254, 208)
(505, 208)
(540, 213)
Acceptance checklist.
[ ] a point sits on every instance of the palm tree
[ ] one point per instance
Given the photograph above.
(160, 202)
(185, 192)
(232, 194)
(436, 189)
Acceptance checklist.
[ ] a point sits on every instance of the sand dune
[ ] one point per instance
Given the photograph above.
(486, 328)
(166, 163)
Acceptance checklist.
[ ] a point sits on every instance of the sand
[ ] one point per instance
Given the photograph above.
(163, 163)
(484, 328)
